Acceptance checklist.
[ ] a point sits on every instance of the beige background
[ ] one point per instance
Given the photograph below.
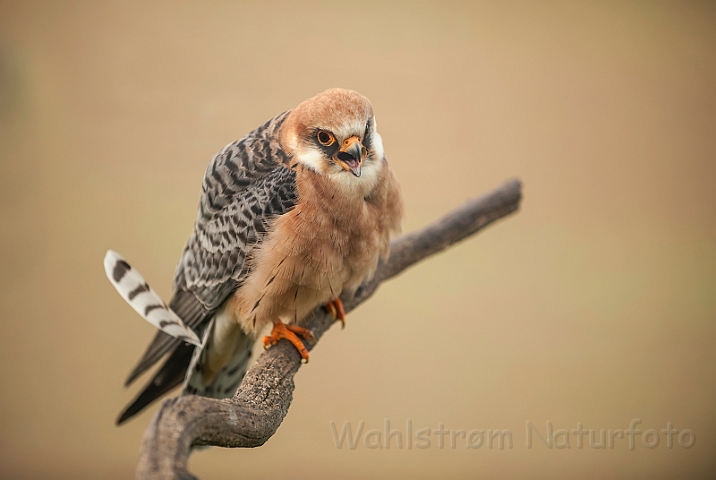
(595, 304)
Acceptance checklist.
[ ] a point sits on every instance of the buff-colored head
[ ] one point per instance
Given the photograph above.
(334, 133)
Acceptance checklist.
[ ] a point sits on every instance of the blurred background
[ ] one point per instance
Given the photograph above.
(594, 304)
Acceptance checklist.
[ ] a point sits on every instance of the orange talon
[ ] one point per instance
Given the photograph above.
(335, 307)
(281, 330)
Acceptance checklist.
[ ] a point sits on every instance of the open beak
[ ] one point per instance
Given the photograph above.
(351, 155)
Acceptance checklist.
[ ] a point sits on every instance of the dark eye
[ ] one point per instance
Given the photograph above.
(325, 138)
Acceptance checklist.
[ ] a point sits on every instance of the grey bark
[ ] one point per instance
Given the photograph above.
(262, 400)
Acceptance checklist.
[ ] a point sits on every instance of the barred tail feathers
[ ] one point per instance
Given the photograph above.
(222, 384)
(134, 289)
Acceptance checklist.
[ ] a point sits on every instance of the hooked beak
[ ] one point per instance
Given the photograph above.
(351, 155)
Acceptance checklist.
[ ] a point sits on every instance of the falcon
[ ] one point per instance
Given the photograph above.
(291, 216)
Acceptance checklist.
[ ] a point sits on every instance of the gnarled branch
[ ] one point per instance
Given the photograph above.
(257, 409)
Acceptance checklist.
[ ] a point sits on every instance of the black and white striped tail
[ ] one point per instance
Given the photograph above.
(145, 301)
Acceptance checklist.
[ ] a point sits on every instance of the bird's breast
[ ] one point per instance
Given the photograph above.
(313, 253)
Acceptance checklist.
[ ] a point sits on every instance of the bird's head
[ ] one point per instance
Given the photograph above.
(334, 133)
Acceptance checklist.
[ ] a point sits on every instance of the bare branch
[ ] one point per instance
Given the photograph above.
(257, 409)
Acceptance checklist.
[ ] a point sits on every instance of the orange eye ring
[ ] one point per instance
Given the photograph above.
(325, 138)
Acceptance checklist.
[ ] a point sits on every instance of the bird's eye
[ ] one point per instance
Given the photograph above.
(325, 138)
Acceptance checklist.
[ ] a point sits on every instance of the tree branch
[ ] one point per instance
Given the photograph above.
(257, 409)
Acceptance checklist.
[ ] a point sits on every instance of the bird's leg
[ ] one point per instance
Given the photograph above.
(281, 330)
(335, 308)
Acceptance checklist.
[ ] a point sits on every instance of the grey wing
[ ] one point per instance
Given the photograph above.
(246, 184)
(214, 260)
(216, 269)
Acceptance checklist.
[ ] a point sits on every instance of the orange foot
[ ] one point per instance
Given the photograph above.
(281, 330)
(335, 307)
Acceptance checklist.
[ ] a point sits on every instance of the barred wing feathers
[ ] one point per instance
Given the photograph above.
(246, 184)
(213, 264)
